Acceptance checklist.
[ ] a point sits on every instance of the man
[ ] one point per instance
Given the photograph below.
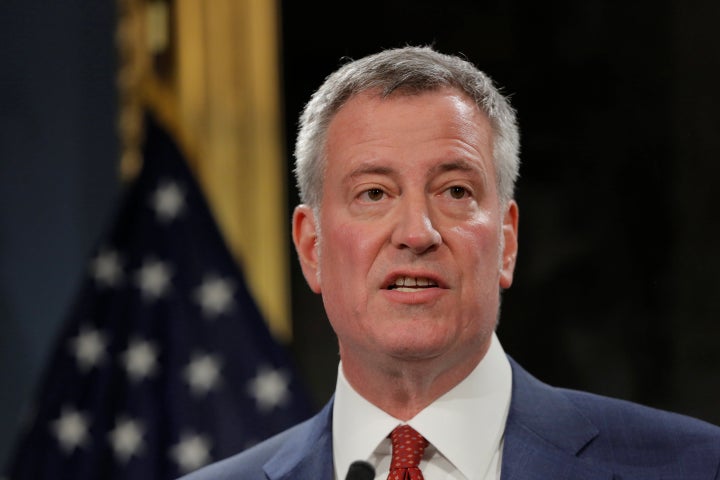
(406, 162)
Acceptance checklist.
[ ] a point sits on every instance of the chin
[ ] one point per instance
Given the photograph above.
(415, 348)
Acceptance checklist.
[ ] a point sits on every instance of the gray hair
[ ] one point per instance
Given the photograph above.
(409, 70)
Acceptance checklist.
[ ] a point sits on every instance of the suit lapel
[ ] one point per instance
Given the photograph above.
(545, 434)
(307, 456)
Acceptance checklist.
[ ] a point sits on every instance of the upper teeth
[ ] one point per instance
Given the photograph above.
(413, 282)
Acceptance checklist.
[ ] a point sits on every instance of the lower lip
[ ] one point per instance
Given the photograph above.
(415, 297)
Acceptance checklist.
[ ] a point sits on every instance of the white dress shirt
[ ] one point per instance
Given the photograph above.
(464, 427)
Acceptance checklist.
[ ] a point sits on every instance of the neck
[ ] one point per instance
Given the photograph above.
(404, 387)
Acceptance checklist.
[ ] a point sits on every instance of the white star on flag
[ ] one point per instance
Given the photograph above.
(269, 388)
(192, 452)
(127, 439)
(106, 268)
(215, 296)
(203, 373)
(153, 278)
(71, 429)
(140, 359)
(168, 201)
(159, 348)
(88, 348)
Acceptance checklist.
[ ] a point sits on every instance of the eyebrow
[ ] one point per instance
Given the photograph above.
(371, 170)
(457, 165)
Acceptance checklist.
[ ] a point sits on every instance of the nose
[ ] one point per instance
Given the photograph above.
(414, 229)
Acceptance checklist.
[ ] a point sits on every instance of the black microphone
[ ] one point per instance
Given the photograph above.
(360, 470)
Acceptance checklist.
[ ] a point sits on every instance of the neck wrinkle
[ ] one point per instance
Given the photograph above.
(403, 388)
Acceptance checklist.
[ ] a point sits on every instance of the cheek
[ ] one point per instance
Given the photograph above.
(479, 253)
(350, 247)
(337, 251)
(480, 238)
(346, 256)
(344, 270)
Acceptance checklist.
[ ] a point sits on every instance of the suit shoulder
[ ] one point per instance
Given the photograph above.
(249, 463)
(630, 439)
(631, 431)
(640, 418)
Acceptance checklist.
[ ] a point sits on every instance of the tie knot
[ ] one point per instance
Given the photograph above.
(407, 447)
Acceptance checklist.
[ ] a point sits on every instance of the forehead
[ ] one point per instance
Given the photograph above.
(408, 127)
(374, 103)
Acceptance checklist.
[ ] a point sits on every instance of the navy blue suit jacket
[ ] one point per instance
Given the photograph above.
(551, 434)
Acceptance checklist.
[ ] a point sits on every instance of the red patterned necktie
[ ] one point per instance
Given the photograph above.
(407, 450)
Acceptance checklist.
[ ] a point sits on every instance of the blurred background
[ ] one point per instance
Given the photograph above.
(617, 285)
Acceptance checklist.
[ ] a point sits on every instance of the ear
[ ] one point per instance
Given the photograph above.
(305, 238)
(510, 250)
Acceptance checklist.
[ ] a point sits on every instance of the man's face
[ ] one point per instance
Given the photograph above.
(412, 244)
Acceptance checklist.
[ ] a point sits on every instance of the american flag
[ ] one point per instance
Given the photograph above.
(164, 363)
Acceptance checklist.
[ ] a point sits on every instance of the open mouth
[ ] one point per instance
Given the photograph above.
(411, 284)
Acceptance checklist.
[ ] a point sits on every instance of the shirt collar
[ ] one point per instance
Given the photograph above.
(466, 424)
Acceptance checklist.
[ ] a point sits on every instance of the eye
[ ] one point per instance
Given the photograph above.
(374, 194)
(457, 192)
